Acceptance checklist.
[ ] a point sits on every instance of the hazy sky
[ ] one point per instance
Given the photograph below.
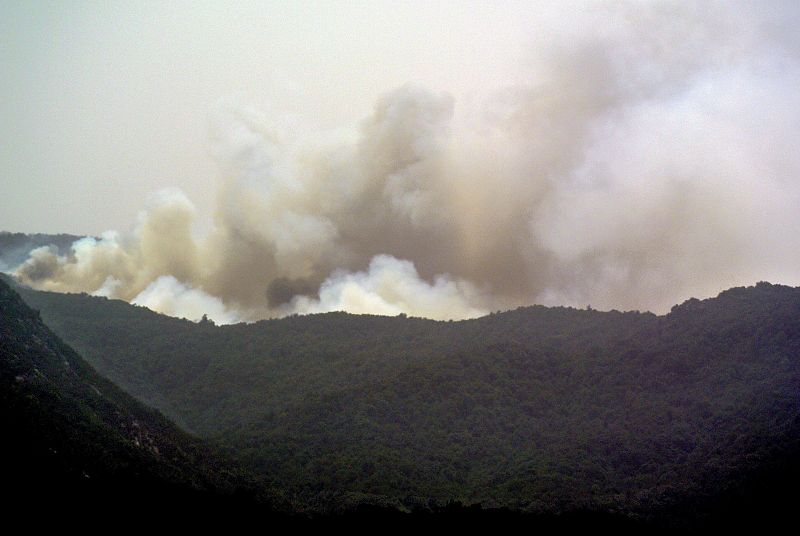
(105, 102)
(438, 159)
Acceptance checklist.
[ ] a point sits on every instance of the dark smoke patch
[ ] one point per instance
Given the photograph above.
(281, 290)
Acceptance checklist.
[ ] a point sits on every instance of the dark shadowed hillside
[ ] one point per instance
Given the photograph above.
(73, 439)
(538, 409)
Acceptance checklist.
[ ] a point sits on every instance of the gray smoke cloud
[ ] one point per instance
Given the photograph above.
(651, 157)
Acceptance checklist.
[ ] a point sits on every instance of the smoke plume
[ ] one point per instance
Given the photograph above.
(650, 157)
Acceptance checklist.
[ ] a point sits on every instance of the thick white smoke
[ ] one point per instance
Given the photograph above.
(390, 287)
(167, 295)
(651, 157)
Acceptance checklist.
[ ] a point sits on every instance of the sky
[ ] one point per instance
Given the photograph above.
(440, 159)
(106, 102)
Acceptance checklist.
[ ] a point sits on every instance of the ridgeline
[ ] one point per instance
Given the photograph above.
(540, 410)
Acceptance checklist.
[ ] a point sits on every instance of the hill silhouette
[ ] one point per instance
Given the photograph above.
(16, 247)
(537, 409)
(73, 439)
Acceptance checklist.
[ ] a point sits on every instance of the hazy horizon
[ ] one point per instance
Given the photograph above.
(438, 159)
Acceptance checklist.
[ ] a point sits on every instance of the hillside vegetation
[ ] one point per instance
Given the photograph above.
(72, 438)
(538, 409)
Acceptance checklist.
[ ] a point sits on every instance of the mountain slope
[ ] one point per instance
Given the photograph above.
(72, 438)
(541, 409)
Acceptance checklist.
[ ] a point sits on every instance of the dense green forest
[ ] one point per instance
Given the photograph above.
(71, 437)
(78, 452)
(537, 409)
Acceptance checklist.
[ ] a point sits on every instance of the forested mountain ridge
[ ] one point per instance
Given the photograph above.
(539, 409)
(72, 438)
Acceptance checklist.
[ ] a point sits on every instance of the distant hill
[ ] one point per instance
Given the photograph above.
(16, 247)
(73, 439)
(537, 409)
